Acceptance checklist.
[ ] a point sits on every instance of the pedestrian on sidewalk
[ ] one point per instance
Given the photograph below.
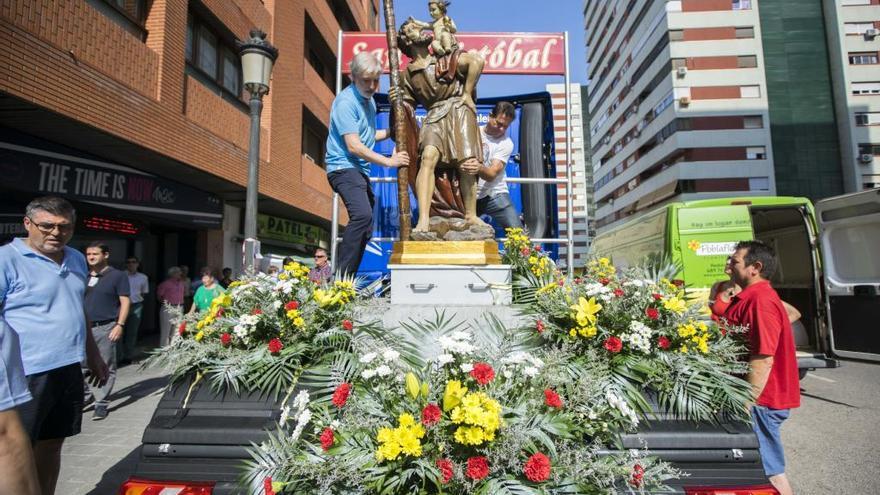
(42, 284)
(170, 294)
(773, 368)
(140, 287)
(107, 306)
(206, 292)
(17, 468)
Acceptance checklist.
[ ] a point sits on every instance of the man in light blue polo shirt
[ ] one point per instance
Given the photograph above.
(17, 470)
(42, 283)
(349, 154)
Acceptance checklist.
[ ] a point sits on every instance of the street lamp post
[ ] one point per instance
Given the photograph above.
(257, 58)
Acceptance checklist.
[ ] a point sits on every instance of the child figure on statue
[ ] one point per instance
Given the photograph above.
(444, 28)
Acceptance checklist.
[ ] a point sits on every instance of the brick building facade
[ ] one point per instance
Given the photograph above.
(134, 109)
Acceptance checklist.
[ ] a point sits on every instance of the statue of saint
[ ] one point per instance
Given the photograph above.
(449, 143)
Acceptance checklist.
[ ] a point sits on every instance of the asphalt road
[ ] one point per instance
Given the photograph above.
(832, 442)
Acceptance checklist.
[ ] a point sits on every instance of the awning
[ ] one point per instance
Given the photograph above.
(657, 195)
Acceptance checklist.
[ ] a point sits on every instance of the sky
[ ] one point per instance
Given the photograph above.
(511, 16)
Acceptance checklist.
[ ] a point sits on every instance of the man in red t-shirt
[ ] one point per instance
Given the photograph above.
(773, 364)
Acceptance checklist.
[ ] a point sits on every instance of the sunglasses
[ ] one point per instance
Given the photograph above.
(49, 227)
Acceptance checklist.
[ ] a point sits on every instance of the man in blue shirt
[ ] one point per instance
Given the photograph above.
(349, 154)
(42, 283)
(17, 469)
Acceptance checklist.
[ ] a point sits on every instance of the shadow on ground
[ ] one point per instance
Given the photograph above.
(137, 391)
(113, 478)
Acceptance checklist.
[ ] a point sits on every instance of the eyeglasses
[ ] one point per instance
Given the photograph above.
(48, 227)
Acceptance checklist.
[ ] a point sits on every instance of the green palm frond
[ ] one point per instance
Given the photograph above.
(506, 486)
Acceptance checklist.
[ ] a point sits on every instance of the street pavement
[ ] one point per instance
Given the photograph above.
(99, 459)
(831, 441)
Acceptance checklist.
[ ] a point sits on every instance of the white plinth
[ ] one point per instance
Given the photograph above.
(451, 285)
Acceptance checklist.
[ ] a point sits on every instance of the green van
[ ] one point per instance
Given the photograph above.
(829, 260)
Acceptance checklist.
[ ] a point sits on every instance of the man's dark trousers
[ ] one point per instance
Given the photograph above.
(357, 195)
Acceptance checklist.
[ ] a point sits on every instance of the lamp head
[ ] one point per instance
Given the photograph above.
(257, 58)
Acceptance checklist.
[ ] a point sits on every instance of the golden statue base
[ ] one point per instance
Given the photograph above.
(445, 253)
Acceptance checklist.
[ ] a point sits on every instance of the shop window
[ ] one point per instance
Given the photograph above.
(862, 58)
(212, 58)
(318, 55)
(753, 122)
(747, 61)
(745, 32)
(130, 14)
(314, 137)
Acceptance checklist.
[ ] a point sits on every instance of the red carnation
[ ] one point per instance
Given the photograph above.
(560, 282)
(291, 306)
(663, 343)
(613, 344)
(604, 281)
(525, 251)
(267, 486)
(181, 329)
(445, 467)
(637, 475)
(327, 439)
(431, 415)
(477, 468)
(652, 313)
(225, 339)
(220, 311)
(340, 395)
(552, 399)
(537, 468)
(537, 248)
(539, 326)
(656, 296)
(257, 311)
(618, 292)
(347, 325)
(483, 373)
(275, 346)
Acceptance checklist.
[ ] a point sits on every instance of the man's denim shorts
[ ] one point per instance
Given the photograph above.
(766, 423)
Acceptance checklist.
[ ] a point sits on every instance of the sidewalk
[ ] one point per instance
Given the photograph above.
(99, 459)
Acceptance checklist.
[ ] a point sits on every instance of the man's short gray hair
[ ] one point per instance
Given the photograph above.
(51, 204)
(174, 270)
(365, 64)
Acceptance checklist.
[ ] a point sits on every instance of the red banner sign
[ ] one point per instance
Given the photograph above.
(504, 53)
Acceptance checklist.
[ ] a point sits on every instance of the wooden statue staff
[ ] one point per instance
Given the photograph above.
(404, 210)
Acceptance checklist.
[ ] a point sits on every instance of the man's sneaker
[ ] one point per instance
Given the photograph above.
(88, 403)
(100, 412)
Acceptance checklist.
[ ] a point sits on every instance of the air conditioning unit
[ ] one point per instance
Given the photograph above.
(681, 71)
(637, 133)
(866, 158)
(684, 101)
(606, 140)
(871, 33)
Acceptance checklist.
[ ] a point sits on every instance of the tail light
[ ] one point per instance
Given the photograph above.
(135, 486)
(739, 490)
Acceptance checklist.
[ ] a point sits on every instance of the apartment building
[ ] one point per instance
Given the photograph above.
(134, 110)
(853, 28)
(581, 184)
(678, 103)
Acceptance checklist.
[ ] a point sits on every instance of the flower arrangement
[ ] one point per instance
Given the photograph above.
(260, 322)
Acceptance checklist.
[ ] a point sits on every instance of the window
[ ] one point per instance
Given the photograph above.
(867, 118)
(747, 61)
(319, 55)
(759, 184)
(741, 4)
(679, 62)
(866, 88)
(848, 3)
(857, 28)
(753, 122)
(212, 60)
(745, 32)
(862, 58)
(676, 35)
(314, 137)
(130, 14)
(749, 91)
(869, 149)
(756, 153)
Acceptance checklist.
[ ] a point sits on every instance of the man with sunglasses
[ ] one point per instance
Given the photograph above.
(42, 284)
(321, 272)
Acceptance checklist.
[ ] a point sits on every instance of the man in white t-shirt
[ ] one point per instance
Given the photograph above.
(493, 197)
